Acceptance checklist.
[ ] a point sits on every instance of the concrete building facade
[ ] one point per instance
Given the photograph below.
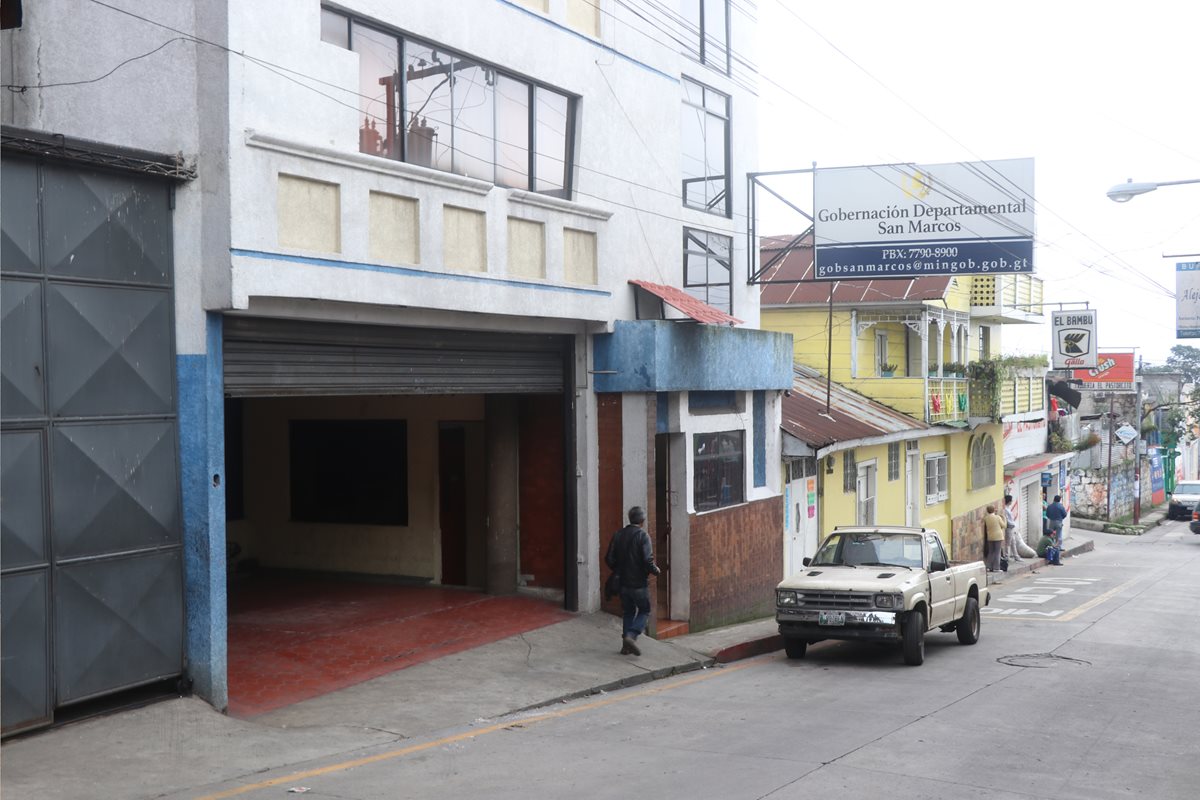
(405, 338)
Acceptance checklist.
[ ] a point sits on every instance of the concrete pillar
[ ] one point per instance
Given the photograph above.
(503, 478)
(202, 461)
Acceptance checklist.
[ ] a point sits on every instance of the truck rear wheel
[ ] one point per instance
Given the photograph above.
(968, 626)
(914, 638)
(795, 648)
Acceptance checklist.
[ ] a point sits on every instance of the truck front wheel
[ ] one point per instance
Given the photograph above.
(914, 638)
(968, 626)
(795, 648)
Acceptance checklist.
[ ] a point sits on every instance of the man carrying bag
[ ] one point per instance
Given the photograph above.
(631, 558)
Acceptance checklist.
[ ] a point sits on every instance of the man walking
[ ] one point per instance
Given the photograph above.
(1010, 530)
(631, 556)
(1056, 512)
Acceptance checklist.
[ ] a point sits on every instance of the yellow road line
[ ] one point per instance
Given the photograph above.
(1074, 612)
(458, 737)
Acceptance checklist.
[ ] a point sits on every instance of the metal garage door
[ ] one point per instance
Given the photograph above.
(92, 573)
(271, 357)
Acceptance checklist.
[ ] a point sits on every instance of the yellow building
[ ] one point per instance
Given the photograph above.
(909, 346)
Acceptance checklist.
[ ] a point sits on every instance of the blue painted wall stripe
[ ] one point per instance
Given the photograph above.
(202, 470)
(760, 438)
(415, 273)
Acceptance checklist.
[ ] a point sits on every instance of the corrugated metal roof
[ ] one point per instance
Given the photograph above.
(851, 415)
(685, 303)
(797, 265)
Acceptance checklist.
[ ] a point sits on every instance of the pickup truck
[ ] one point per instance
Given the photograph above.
(887, 584)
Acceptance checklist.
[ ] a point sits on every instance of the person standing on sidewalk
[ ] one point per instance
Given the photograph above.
(993, 527)
(1056, 512)
(631, 556)
(1010, 530)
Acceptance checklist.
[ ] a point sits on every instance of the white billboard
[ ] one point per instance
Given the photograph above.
(909, 220)
(1187, 300)
(1074, 335)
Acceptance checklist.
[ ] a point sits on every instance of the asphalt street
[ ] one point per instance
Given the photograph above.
(1081, 686)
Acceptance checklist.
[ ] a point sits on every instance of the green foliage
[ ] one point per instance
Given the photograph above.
(1185, 359)
(990, 374)
(1087, 442)
(1059, 443)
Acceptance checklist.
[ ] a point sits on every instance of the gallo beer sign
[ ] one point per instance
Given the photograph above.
(1074, 339)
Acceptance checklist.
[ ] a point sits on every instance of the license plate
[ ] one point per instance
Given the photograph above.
(831, 618)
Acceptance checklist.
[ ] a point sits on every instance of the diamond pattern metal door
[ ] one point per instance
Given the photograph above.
(91, 566)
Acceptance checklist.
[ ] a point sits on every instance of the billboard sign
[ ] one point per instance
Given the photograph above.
(1113, 371)
(1074, 339)
(1187, 300)
(910, 220)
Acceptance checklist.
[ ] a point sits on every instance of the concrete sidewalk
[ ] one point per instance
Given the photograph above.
(172, 746)
(167, 748)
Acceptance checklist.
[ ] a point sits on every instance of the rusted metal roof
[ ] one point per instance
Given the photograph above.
(686, 304)
(797, 265)
(851, 415)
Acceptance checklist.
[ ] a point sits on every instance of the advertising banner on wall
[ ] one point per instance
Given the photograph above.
(1074, 335)
(1187, 300)
(910, 220)
(1114, 371)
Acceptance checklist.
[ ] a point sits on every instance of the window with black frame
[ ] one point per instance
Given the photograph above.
(705, 32)
(426, 105)
(718, 467)
(705, 148)
(707, 275)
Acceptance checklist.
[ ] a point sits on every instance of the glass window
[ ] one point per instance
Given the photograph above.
(849, 472)
(894, 461)
(335, 28)
(708, 402)
(705, 32)
(449, 112)
(983, 462)
(935, 478)
(707, 274)
(378, 90)
(718, 469)
(552, 138)
(705, 148)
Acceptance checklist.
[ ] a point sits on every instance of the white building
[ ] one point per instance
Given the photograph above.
(393, 247)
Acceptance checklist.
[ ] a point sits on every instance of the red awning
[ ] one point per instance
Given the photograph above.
(688, 305)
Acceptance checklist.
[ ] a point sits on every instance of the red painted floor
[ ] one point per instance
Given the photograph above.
(294, 638)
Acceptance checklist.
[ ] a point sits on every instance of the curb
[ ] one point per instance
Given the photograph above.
(754, 647)
(623, 683)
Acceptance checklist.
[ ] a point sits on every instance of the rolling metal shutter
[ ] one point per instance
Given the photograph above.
(274, 358)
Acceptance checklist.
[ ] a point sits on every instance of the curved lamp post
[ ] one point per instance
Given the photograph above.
(1124, 192)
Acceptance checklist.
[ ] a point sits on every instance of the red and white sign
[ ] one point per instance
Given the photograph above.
(1111, 368)
(1024, 438)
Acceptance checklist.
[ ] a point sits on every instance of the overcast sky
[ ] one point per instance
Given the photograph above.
(1095, 92)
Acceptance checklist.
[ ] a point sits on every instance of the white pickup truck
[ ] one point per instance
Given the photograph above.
(881, 584)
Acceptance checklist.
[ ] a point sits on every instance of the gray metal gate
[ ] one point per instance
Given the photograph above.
(90, 566)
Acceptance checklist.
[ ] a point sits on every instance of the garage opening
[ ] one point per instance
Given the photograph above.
(393, 495)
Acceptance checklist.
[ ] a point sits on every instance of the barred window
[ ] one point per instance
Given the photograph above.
(894, 461)
(936, 482)
(983, 462)
(718, 468)
(849, 472)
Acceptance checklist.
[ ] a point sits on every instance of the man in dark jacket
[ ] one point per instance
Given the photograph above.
(631, 556)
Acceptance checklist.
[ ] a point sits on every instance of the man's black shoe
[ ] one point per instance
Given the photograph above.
(631, 646)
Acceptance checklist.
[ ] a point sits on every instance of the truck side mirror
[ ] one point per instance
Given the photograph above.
(937, 566)
(806, 561)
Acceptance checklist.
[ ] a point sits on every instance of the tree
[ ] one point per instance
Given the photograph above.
(1185, 359)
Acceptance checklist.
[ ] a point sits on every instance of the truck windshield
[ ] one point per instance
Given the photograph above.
(869, 549)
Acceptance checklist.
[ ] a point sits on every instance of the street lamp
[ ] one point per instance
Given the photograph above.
(1124, 192)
